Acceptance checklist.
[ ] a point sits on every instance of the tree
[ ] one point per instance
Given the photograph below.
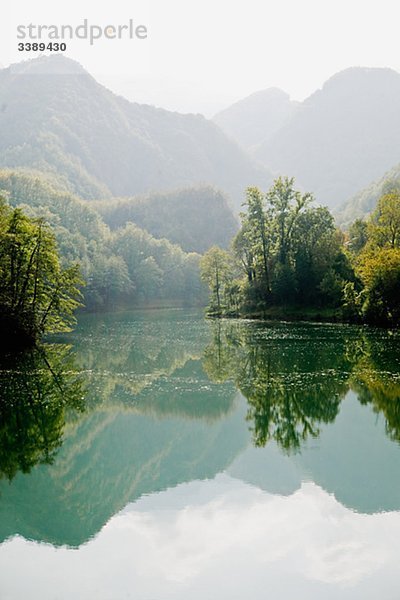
(289, 252)
(384, 226)
(256, 232)
(357, 236)
(216, 271)
(321, 266)
(379, 270)
(378, 263)
(37, 296)
(244, 253)
(286, 205)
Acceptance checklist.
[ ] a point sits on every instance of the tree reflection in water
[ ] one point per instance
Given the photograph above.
(37, 388)
(295, 377)
(376, 379)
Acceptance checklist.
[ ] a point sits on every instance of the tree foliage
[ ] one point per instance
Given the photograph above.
(377, 263)
(37, 388)
(123, 267)
(37, 295)
(294, 377)
(216, 271)
(287, 253)
(193, 218)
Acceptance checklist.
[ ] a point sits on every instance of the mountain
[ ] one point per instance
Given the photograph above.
(123, 267)
(194, 218)
(342, 137)
(54, 117)
(361, 204)
(255, 119)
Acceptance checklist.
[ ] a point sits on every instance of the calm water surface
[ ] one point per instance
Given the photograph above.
(155, 456)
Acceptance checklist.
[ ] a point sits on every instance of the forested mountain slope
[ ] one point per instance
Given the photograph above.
(127, 266)
(194, 218)
(55, 117)
(365, 201)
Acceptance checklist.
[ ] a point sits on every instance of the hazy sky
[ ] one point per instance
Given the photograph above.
(201, 56)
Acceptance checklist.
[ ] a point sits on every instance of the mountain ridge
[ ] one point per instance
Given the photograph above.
(241, 120)
(341, 138)
(56, 118)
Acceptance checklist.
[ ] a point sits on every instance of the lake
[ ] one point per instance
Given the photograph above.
(155, 455)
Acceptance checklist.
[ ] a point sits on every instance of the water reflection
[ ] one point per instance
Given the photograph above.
(153, 420)
(222, 540)
(295, 377)
(37, 388)
(376, 379)
(162, 407)
(150, 364)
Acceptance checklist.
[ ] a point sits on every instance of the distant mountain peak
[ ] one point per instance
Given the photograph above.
(103, 144)
(356, 77)
(362, 72)
(344, 135)
(254, 119)
(267, 94)
(56, 64)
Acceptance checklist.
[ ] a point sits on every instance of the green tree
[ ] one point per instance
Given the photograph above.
(384, 226)
(379, 270)
(286, 205)
(290, 253)
(216, 272)
(322, 267)
(357, 236)
(378, 264)
(37, 296)
(244, 253)
(257, 235)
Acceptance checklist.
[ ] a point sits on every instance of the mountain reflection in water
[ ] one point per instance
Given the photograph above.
(148, 400)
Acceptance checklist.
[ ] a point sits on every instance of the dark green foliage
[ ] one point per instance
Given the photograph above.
(193, 218)
(37, 296)
(287, 253)
(321, 265)
(280, 377)
(37, 388)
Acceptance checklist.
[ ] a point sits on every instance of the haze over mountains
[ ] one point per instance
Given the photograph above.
(364, 202)
(336, 142)
(255, 119)
(56, 118)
